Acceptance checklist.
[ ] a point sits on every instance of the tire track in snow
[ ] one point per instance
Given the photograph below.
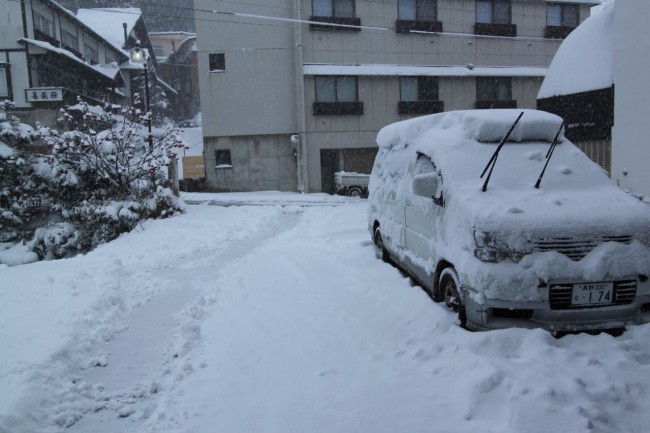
(148, 355)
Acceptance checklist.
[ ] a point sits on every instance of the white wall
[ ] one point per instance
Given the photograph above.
(631, 132)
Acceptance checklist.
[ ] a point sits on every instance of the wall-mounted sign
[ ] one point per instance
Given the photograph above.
(44, 94)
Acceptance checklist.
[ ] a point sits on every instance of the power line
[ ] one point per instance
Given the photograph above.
(274, 21)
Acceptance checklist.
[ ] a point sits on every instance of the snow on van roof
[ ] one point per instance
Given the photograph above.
(484, 126)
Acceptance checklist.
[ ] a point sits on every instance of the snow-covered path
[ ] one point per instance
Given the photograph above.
(282, 319)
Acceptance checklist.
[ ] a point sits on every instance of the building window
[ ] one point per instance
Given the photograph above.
(564, 15)
(334, 12)
(110, 57)
(223, 158)
(70, 40)
(336, 95)
(158, 51)
(91, 53)
(561, 19)
(4, 82)
(217, 62)
(494, 92)
(417, 10)
(418, 15)
(419, 95)
(333, 8)
(43, 24)
(418, 88)
(493, 11)
(493, 18)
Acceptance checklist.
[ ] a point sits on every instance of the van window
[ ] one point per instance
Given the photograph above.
(423, 165)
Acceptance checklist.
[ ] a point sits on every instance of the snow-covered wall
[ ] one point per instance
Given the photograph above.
(631, 132)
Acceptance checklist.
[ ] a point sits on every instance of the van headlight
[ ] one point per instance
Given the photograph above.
(489, 250)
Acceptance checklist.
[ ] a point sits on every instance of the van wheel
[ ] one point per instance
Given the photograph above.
(355, 192)
(379, 241)
(449, 292)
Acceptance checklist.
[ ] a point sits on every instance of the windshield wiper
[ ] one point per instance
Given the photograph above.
(493, 160)
(549, 154)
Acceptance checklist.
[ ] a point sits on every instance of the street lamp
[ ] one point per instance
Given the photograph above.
(138, 55)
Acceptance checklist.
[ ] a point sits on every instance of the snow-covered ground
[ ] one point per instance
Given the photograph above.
(281, 318)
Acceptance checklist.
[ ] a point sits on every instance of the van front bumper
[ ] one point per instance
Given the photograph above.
(487, 314)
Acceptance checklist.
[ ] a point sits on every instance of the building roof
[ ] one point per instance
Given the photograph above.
(107, 22)
(584, 61)
(408, 70)
(108, 71)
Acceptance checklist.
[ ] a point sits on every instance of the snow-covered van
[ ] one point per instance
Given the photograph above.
(524, 231)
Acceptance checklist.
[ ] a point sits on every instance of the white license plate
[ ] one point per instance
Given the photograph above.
(592, 294)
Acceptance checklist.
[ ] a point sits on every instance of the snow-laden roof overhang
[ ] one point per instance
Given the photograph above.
(584, 61)
(71, 16)
(111, 71)
(440, 71)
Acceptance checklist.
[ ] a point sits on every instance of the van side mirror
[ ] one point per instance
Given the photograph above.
(428, 185)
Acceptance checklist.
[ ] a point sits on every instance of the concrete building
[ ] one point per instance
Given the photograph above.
(294, 90)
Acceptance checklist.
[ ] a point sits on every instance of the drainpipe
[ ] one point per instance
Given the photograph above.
(303, 178)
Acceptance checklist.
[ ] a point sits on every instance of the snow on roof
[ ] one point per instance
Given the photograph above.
(107, 22)
(407, 70)
(584, 60)
(166, 86)
(108, 71)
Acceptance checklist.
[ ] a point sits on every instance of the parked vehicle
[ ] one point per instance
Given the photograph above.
(509, 224)
(351, 184)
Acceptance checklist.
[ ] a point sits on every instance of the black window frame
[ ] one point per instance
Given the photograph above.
(563, 30)
(334, 18)
(223, 158)
(336, 107)
(494, 27)
(493, 100)
(425, 103)
(217, 62)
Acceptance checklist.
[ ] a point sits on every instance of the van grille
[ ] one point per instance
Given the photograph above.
(575, 248)
(560, 295)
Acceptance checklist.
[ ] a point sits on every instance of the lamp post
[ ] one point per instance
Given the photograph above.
(138, 55)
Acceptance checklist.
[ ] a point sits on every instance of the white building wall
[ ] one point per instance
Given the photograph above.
(631, 131)
(258, 94)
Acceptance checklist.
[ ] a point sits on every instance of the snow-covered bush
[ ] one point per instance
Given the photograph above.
(103, 183)
(20, 194)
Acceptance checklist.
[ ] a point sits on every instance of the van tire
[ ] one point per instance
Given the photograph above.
(355, 191)
(449, 292)
(379, 242)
